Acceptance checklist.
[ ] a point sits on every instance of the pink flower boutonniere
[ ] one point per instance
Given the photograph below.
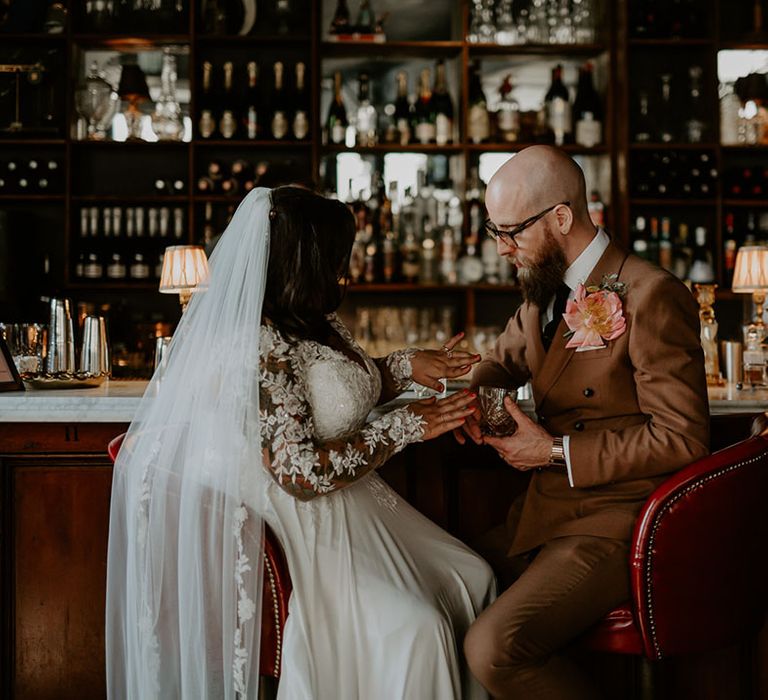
(595, 315)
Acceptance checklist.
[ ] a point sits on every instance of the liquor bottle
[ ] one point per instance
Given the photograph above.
(702, 270)
(729, 249)
(365, 18)
(683, 253)
(640, 242)
(340, 21)
(366, 114)
(596, 209)
(558, 107)
(428, 264)
(403, 114)
(116, 269)
(152, 216)
(283, 14)
(251, 111)
(300, 105)
(666, 128)
(665, 245)
(228, 121)
(695, 125)
(442, 107)
(93, 268)
(478, 124)
(424, 114)
(279, 122)
(643, 126)
(178, 224)
(106, 221)
(730, 117)
(409, 255)
(508, 113)
(653, 241)
(139, 270)
(587, 110)
(83, 222)
(448, 254)
(207, 124)
(336, 124)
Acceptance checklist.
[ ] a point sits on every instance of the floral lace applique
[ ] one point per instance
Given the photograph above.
(304, 464)
(399, 365)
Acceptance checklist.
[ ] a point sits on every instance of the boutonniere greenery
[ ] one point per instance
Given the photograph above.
(596, 315)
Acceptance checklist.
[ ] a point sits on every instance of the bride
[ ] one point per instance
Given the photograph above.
(265, 422)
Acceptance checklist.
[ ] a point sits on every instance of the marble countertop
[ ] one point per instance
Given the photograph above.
(116, 401)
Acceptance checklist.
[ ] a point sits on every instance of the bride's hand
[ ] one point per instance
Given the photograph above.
(428, 367)
(443, 415)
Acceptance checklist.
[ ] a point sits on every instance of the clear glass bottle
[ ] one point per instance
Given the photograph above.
(167, 121)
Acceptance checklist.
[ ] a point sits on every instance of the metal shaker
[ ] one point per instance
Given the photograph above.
(61, 338)
(94, 355)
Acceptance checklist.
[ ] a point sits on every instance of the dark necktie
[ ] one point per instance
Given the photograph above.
(561, 297)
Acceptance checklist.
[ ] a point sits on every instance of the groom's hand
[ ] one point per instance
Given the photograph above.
(428, 367)
(529, 447)
(470, 427)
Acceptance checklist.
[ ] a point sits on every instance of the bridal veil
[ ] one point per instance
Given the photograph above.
(184, 570)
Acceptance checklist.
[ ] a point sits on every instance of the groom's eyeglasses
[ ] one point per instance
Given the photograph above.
(508, 236)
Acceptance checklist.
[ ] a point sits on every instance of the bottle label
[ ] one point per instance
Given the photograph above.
(279, 125)
(479, 124)
(228, 125)
(425, 132)
(207, 124)
(404, 129)
(443, 130)
(338, 132)
(589, 132)
(560, 119)
(300, 125)
(509, 123)
(253, 123)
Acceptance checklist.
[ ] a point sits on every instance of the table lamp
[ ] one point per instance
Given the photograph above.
(133, 88)
(750, 276)
(185, 270)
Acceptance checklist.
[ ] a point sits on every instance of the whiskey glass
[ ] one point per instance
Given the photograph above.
(495, 419)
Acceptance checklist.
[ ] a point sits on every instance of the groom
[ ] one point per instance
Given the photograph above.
(621, 396)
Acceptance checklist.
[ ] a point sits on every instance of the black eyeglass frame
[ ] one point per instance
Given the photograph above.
(509, 236)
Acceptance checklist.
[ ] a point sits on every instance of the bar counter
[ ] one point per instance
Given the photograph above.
(116, 401)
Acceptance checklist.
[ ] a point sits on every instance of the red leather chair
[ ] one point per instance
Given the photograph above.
(277, 591)
(699, 569)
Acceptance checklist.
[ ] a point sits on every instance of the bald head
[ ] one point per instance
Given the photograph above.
(536, 178)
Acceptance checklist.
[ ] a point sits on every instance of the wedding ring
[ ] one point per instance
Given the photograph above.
(449, 353)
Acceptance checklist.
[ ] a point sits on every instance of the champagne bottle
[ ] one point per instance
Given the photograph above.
(336, 124)
(558, 107)
(251, 111)
(426, 129)
(479, 125)
(587, 110)
(403, 110)
(279, 123)
(442, 107)
(228, 121)
(207, 124)
(300, 105)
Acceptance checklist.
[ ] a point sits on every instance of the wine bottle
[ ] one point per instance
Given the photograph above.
(424, 114)
(479, 125)
(365, 19)
(643, 127)
(442, 107)
(336, 124)
(403, 114)
(366, 114)
(228, 121)
(695, 124)
(279, 123)
(207, 124)
(558, 107)
(729, 249)
(251, 111)
(300, 105)
(587, 110)
(665, 245)
(702, 270)
(666, 129)
(508, 113)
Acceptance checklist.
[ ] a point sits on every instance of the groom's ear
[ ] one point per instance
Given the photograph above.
(564, 218)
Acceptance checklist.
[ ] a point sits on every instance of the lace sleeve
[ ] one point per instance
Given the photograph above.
(396, 373)
(303, 465)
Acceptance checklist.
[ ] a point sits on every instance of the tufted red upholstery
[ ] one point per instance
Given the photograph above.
(699, 573)
(277, 591)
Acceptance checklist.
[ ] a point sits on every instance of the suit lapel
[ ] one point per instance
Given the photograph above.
(558, 357)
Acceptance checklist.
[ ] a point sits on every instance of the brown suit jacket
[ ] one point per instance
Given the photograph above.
(635, 410)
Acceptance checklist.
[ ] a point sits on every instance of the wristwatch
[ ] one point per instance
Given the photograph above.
(557, 455)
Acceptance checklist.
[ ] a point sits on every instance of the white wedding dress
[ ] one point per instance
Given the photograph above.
(382, 597)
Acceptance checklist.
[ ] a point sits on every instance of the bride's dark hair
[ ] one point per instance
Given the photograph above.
(310, 242)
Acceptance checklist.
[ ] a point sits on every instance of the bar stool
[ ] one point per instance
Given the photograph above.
(274, 611)
(699, 570)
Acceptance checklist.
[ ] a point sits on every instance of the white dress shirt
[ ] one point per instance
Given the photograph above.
(577, 273)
